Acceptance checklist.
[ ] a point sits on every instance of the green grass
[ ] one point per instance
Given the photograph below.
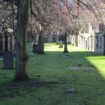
(53, 66)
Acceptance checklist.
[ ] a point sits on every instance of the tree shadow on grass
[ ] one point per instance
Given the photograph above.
(77, 59)
(12, 89)
(89, 84)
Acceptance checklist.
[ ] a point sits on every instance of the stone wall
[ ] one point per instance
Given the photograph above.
(90, 41)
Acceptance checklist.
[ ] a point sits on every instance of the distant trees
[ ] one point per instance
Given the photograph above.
(43, 16)
(41, 10)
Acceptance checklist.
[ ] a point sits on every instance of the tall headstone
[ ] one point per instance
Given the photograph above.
(8, 55)
(35, 47)
(8, 60)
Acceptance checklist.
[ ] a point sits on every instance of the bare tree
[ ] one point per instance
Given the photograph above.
(21, 36)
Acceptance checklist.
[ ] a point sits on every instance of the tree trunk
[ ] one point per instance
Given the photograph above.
(6, 42)
(1, 44)
(21, 38)
(65, 43)
(104, 44)
(40, 43)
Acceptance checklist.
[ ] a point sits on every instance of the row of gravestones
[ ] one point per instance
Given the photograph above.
(8, 58)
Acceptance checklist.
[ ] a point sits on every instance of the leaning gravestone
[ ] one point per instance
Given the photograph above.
(8, 60)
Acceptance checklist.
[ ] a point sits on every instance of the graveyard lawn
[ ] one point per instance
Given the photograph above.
(53, 82)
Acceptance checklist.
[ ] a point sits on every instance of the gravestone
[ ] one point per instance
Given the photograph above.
(60, 44)
(8, 60)
(35, 47)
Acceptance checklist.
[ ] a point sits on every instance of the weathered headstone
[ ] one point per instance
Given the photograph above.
(8, 60)
(60, 44)
(35, 48)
